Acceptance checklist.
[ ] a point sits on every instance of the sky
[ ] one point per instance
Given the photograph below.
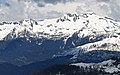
(14, 10)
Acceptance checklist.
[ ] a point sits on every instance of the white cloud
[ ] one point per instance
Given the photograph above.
(41, 9)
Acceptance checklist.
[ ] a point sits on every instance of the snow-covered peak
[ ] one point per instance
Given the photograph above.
(70, 33)
(74, 17)
(85, 25)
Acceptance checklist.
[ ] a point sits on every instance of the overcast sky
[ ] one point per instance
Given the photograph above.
(11, 10)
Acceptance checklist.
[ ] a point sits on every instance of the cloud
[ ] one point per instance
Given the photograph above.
(54, 14)
(53, 1)
(37, 9)
(103, 0)
(11, 10)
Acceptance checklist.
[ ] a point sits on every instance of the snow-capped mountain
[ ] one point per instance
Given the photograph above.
(72, 38)
(28, 41)
(88, 24)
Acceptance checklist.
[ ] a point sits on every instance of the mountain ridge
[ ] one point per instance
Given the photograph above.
(72, 38)
(28, 41)
(64, 26)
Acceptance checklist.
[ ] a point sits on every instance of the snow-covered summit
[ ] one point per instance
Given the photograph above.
(40, 40)
(101, 32)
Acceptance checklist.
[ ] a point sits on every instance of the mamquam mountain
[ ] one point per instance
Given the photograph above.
(71, 45)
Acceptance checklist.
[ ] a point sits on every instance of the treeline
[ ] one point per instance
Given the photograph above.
(76, 70)
(72, 70)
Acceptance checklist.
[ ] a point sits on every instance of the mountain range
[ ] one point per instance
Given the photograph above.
(29, 45)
